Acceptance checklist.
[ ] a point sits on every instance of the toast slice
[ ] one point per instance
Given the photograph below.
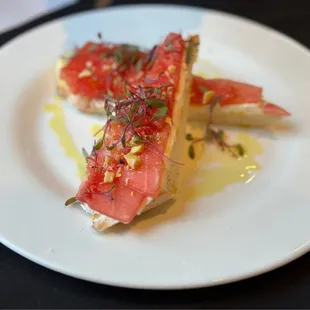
(240, 103)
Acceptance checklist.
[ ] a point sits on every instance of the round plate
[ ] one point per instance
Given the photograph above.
(240, 231)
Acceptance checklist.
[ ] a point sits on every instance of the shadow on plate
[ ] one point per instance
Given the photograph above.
(170, 210)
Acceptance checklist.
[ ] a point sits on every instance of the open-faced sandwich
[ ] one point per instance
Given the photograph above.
(239, 103)
(135, 165)
(99, 69)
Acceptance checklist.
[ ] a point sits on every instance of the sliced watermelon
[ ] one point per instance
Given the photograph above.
(232, 92)
(115, 185)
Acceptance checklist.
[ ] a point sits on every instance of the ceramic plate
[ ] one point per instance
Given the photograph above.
(236, 220)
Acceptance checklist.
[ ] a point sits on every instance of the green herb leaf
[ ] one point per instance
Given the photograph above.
(162, 112)
(110, 93)
(110, 147)
(170, 47)
(156, 103)
(135, 107)
(106, 96)
(126, 91)
(189, 53)
(240, 150)
(213, 103)
(203, 89)
(136, 139)
(220, 135)
(123, 140)
(110, 115)
(85, 154)
(191, 151)
(156, 91)
(99, 144)
(70, 201)
(139, 65)
(189, 137)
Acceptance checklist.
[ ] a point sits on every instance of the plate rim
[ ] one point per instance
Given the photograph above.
(242, 276)
(254, 23)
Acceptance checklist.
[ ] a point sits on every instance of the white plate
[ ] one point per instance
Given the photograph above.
(241, 231)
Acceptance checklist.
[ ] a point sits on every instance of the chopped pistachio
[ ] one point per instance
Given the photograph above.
(107, 160)
(171, 69)
(84, 73)
(89, 64)
(207, 96)
(95, 216)
(168, 120)
(134, 161)
(137, 149)
(109, 177)
(118, 172)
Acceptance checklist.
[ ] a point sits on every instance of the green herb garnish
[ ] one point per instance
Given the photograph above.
(156, 103)
(160, 113)
(203, 89)
(71, 201)
(85, 154)
(191, 151)
(110, 93)
(217, 136)
(240, 150)
(189, 137)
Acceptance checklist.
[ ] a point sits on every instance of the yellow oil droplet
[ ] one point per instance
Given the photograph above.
(214, 169)
(94, 130)
(57, 123)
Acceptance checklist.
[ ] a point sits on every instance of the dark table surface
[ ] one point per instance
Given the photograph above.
(24, 284)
